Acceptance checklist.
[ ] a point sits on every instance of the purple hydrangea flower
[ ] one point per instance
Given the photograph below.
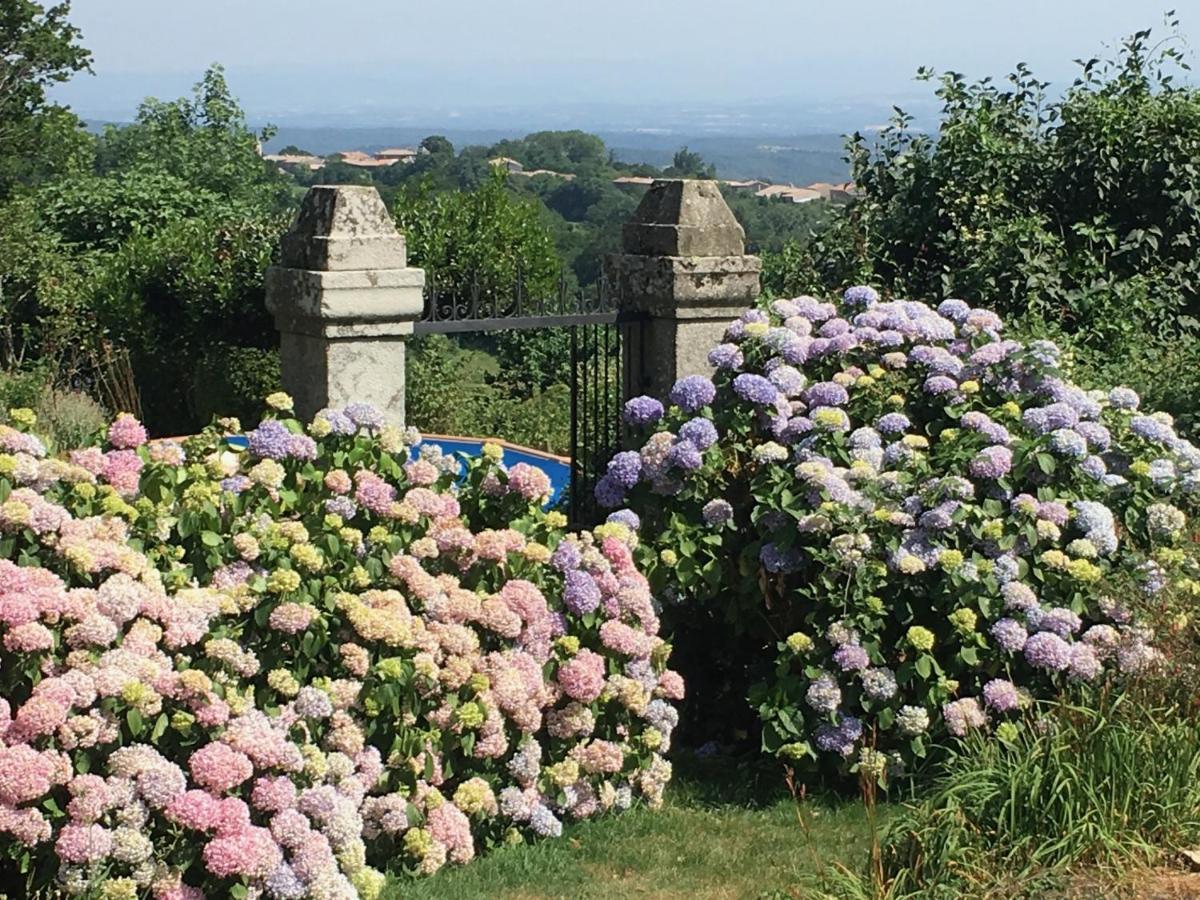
(727, 357)
(826, 393)
(566, 556)
(756, 389)
(581, 594)
(1001, 695)
(235, 484)
(851, 658)
(302, 447)
(1069, 443)
(992, 462)
(1044, 419)
(642, 411)
(693, 393)
(778, 559)
(609, 494)
(962, 715)
(364, 415)
(938, 385)
(341, 506)
(1009, 634)
(625, 468)
(823, 695)
(879, 684)
(955, 310)
(699, 432)
(788, 379)
(861, 296)
(626, 517)
(893, 423)
(1124, 398)
(270, 440)
(840, 738)
(1046, 650)
(684, 455)
(339, 422)
(1060, 621)
(1098, 437)
(717, 512)
(1018, 596)
(1085, 664)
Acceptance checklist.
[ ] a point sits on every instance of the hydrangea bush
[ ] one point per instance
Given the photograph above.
(280, 672)
(925, 524)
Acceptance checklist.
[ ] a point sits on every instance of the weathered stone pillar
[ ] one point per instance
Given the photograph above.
(344, 299)
(685, 268)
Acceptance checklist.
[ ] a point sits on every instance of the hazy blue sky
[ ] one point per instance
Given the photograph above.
(294, 58)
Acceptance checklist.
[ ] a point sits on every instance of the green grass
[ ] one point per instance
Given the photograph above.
(713, 838)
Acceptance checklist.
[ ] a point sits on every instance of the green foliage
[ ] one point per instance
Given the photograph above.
(452, 390)
(187, 303)
(478, 243)
(576, 152)
(104, 210)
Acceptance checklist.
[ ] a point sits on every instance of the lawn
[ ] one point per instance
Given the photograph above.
(712, 839)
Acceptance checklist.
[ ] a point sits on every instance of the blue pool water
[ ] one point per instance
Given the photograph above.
(558, 471)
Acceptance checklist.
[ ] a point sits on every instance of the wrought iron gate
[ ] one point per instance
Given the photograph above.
(597, 331)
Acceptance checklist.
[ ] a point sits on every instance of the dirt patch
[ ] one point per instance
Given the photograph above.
(1144, 884)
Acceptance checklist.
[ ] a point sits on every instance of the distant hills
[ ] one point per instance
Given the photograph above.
(795, 159)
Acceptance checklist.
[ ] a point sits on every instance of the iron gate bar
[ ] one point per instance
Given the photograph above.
(519, 323)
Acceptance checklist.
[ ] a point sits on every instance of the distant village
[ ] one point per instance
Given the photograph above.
(790, 193)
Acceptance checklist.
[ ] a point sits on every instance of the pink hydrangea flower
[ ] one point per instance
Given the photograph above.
(126, 432)
(219, 767)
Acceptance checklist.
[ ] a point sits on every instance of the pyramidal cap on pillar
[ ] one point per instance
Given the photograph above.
(683, 218)
(343, 227)
(343, 268)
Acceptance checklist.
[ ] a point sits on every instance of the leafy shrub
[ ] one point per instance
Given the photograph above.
(291, 667)
(70, 418)
(924, 522)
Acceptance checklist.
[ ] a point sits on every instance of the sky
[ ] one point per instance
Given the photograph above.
(376, 61)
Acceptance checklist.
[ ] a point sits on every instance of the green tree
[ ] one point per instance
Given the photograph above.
(202, 139)
(38, 48)
(478, 243)
(689, 164)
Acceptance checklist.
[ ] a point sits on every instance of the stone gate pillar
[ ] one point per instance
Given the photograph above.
(344, 299)
(684, 267)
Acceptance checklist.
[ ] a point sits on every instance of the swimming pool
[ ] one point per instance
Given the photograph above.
(557, 468)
